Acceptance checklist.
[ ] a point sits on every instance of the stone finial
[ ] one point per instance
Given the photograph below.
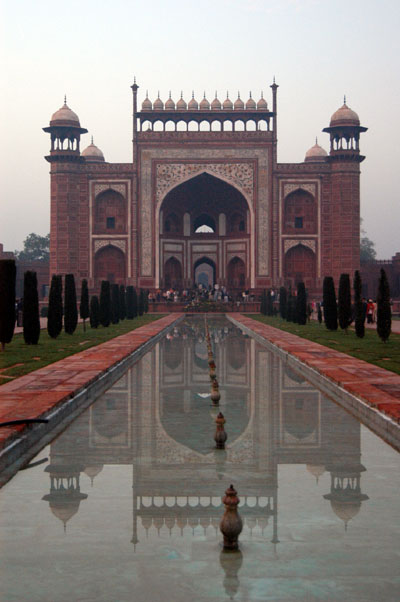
(220, 436)
(231, 523)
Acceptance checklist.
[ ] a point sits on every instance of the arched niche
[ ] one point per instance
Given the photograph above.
(237, 222)
(173, 273)
(172, 224)
(204, 272)
(109, 264)
(204, 224)
(110, 213)
(300, 417)
(300, 213)
(236, 273)
(110, 416)
(300, 265)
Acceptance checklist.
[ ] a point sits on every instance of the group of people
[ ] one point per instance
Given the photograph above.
(199, 292)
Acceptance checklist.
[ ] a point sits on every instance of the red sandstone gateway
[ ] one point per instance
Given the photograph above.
(204, 201)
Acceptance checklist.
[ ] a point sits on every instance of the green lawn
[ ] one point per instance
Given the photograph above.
(370, 348)
(19, 358)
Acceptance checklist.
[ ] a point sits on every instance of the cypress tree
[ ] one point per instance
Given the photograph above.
(263, 305)
(329, 300)
(282, 302)
(8, 272)
(301, 304)
(84, 305)
(129, 303)
(135, 303)
(289, 307)
(55, 310)
(105, 304)
(122, 303)
(384, 312)
(146, 301)
(344, 302)
(358, 306)
(269, 303)
(114, 303)
(140, 307)
(70, 305)
(94, 311)
(319, 313)
(31, 319)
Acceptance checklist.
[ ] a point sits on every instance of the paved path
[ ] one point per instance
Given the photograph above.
(376, 386)
(37, 393)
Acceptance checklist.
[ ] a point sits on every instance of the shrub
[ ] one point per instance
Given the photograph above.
(114, 303)
(70, 305)
(55, 310)
(84, 304)
(358, 306)
(329, 300)
(94, 311)
(384, 312)
(344, 305)
(8, 272)
(105, 304)
(31, 320)
(301, 304)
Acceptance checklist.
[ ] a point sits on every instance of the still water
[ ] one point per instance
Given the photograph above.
(127, 504)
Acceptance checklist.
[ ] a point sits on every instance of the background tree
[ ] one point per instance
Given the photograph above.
(301, 304)
(129, 303)
(94, 311)
(30, 315)
(55, 309)
(8, 274)
(84, 304)
(122, 302)
(329, 301)
(384, 312)
(367, 247)
(36, 248)
(140, 306)
(114, 303)
(105, 304)
(358, 306)
(70, 305)
(344, 302)
(282, 302)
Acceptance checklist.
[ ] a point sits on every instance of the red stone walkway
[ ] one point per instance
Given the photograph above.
(375, 386)
(37, 393)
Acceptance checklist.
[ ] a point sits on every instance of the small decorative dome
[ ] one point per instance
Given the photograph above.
(239, 104)
(146, 104)
(216, 104)
(93, 154)
(181, 104)
(262, 104)
(158, 104)
(64, 116)
(316, 154)
(344, 116)
(250, 104)
(170, 105)
(193, 104)
(227, 104)
(204, 104)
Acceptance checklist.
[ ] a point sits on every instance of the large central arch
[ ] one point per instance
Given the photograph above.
(204, 216)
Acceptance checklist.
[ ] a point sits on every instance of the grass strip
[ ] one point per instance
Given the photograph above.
(19, 358)
(370, 349)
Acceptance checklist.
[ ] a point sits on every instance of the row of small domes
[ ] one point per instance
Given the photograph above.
(204, 104)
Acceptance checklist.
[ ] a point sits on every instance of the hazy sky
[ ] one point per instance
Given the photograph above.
(318, 51)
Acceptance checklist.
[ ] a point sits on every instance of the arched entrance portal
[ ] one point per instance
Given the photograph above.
(109, 264)
(204, 272)
(300, 265)
(173, 273)
(236, 273)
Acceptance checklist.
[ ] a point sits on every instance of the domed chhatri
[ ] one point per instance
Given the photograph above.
(204, 104)
(251, 104)
(170, 105)
(193, 104)
(227, 104)
(344, 116)
(216, 104)
(146, 104)
(64, 116)
(239, 104)
(158, 104)
(181, 104)
(316, 154)
(262, 104)
(93, 154)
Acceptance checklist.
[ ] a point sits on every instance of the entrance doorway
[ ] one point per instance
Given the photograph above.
(204, 272)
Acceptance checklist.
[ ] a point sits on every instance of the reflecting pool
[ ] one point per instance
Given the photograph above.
(127, 504)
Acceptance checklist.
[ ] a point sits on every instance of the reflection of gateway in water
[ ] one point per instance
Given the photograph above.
(158, 418)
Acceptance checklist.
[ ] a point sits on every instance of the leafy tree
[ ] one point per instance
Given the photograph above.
(31, 319)
(301, 304)
(367, 247)
(94, 312)
(114, 303)
(8, 274)
(55, 310)
(70, 305)
(384, 312)
(358, 306)
(344, 302)
(105, 304)
(84, 304)
(122, 303)
(36, 248)
(129, 303)
(140, 307)
(283, 302)
(329, 300)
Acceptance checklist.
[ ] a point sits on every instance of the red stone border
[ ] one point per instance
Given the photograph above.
(374, 386)
(38, 393)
